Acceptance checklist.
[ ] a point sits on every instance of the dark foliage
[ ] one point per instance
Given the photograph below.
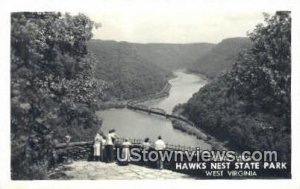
(52, 87)
(250, 106)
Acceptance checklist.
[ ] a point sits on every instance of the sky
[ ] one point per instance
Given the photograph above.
(172, 26)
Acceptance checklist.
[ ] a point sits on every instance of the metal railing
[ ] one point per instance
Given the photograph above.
(134, 141)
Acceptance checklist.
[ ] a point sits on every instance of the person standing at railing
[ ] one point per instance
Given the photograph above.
(97, 147)
(146, 144)
(67, 141)
(125, 152)
(159, 146)
(146, 148)
(102, 149)
(110, 145)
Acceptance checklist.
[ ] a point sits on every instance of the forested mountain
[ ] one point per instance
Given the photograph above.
(250, 106)
(221, 57)
(134, 69)
(170, 56)
(128, 74)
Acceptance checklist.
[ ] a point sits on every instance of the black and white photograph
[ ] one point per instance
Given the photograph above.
(130, 93)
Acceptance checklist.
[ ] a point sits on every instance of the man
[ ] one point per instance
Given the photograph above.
(110, 145)
(159, 146)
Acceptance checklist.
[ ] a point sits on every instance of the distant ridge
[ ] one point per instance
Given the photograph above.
(168, 55)
(221, 57)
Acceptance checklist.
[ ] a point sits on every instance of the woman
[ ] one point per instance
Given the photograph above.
(97, 147)
(125, 152)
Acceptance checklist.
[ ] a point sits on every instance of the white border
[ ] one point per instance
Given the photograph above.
(186, 5)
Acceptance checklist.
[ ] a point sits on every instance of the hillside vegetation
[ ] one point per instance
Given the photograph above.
(173, 56)
(250, 106)
(221, 57)
(128, 74)
(52, 88)
(169, 56)
(134, 70)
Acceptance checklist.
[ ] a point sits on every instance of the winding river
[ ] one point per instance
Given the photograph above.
(140, 125)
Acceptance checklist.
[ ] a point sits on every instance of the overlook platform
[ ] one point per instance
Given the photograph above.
(84, 170)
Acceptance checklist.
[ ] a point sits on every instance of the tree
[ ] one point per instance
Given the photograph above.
(52, 86)
(251, 104)
(264, 71)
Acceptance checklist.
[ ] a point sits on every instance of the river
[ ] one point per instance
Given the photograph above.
(140, 125)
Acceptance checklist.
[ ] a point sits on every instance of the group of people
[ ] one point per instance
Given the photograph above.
(104, 147)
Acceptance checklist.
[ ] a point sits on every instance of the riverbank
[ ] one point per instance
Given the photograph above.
(164, 92)
(194, 131)
(202, 75)
(123, 103)
(161, 94)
